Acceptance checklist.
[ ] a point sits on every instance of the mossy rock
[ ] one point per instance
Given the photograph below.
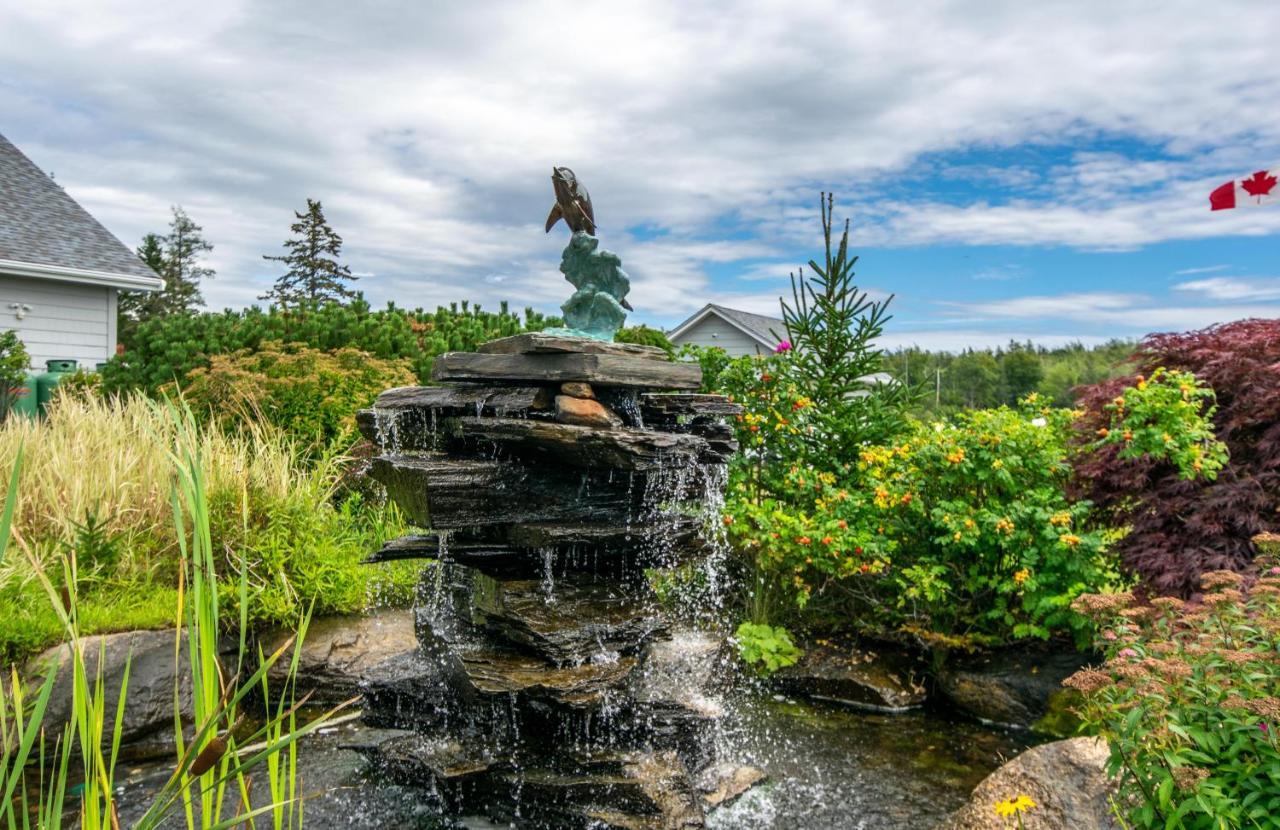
(1060, 719)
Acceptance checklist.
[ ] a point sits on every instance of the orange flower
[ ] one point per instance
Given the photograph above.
(842, 524)
(826, 540)
(1104, 432)
(728, 520)
(803, 540)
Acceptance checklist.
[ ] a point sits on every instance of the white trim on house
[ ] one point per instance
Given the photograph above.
(127, 282)
(706, 312)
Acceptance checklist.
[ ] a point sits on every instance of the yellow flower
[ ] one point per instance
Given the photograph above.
(1014, 806)
(956, 457)
(1070, 540)
(1022, 576)
(997, 464)
(1060, 519)
(958, 536)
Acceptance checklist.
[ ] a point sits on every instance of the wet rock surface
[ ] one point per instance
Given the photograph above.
(546, 687)
(338, 652)
(1012, 688)
(860, 675)
(1066, 779)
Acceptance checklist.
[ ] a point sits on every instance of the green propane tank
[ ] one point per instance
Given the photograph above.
(24, 396)
(48, 380)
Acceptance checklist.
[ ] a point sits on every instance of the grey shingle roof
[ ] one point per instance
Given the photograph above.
(40, 224)
(760, 326)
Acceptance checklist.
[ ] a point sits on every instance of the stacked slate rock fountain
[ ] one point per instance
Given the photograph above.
(548, 689)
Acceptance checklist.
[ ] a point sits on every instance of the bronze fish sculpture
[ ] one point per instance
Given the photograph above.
(573, 203)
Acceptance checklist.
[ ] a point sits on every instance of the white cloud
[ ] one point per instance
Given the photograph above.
(428, 130)
(1206, 269)
(1234, 288)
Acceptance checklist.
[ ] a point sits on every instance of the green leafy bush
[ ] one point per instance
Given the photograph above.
(766, 648)
(165, 349)
(1166, 418)
(14, 361)
(1189, 703)
(711, 359)
(311, 396)
(645, 336)
(961, 533)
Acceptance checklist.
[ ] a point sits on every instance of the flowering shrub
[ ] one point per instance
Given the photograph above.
(1166, 418)
(1189, 702)
(1180, 528)
(961, 530)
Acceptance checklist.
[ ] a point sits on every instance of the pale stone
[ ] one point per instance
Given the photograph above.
(585, 413)
(577, 389)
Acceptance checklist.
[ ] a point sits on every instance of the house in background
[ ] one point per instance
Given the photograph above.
(739, 333)
(60, 270)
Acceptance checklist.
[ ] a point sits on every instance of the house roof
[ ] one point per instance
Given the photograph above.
(45, 234)
(757, 326)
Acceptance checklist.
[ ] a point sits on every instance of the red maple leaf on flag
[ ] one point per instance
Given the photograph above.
(1259, 184)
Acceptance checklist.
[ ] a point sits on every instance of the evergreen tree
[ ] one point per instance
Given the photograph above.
(315, 276)
(831, 326)
(183, 247)
(175, 258)
(1022, 372)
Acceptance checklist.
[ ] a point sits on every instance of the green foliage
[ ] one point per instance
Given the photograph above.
(766, 648)
(712, 359)
(1167, 417)
(176, 258)
(1188, 703)
(311, 396)
(14, 362)
(645, 336)
(831, 327)
(984, 378)
(166, 349)
(314, 275)
(959, 533)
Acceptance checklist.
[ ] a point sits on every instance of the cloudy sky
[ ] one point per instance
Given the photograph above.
(1012, 170)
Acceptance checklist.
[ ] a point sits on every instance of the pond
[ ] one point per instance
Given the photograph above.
(829, 766)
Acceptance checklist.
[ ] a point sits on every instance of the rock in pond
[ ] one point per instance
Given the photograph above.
(1066, 780)
(149, 655)
(585, 412)
(1012, 688)
(339, 651)
(855, 674)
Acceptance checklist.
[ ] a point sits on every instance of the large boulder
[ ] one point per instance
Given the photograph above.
(1066, 779)
(149, 656)
(856, 675)
(339, 651)
(1015, 688)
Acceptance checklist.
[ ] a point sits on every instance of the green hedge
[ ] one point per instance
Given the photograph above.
(167, 349)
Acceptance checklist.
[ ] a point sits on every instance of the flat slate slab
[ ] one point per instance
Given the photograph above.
(471, 400)
(620, 448)
(606, 370)
(540, 343)
(685, 404)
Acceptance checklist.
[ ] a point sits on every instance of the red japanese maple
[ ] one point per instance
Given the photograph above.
(1180, 529)
(1259, 184)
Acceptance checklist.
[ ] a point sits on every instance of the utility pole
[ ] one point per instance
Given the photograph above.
(937, 389)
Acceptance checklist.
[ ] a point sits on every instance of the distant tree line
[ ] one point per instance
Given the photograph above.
(313, 273)
(980, 378)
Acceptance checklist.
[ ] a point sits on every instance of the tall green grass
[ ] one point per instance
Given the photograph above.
(209, 784)
(98, 482)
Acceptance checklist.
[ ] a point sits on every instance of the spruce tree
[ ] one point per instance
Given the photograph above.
(315, 276)
(175, 258)
(831, 328)
(183, 247)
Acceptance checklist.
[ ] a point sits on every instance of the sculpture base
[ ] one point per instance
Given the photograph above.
(568, 332)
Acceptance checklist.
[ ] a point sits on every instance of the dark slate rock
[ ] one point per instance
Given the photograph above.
(856, 675)
(540, 343)
(600, 370)
(624, 449)
(339, 651)
(1010, 688)
(666, 404)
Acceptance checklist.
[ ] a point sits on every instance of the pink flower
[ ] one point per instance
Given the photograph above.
(1264, 729)
(784, 346)
(1109, 635)
(1126, 652)
(1274, 571)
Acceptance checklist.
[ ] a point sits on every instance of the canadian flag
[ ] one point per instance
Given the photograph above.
(1258, 189)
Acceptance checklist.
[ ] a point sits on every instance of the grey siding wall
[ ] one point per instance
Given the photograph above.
(66, 320)
(714, 331)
